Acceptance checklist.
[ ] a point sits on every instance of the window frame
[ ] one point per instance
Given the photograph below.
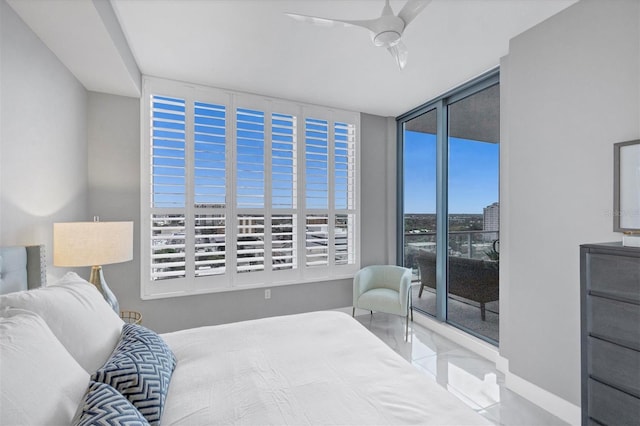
(231, 279)
(441, 105)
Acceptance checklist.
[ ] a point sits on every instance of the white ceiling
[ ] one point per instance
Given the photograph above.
(251, 46)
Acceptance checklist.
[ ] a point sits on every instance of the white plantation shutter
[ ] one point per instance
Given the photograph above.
(167, 246)
(244, 191)
(168, 180)
(209, 182)
(284, 242)
(168, 152)
(317, 163)
(344, 172)
(210, 244)
(344, 193)
(284, 191)
(249, 158)
(284, 183)
(250, 240)
(344, 240)
(209, 155)
(250, 189)
(317, 240)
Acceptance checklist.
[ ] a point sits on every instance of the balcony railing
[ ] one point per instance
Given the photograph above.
(470, 244)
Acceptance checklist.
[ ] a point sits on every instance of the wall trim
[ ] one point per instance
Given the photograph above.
(551, 402)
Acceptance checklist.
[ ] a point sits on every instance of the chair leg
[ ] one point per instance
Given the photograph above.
(483, 313)
(371, 312)
(406, 330)
(354, 312)
(420, 292)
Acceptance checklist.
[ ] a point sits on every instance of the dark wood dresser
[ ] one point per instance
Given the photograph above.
(610, 334)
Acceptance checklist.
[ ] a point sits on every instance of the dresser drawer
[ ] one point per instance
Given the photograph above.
(609, 406)
(615, 365)
(618, 276)
(614, 320)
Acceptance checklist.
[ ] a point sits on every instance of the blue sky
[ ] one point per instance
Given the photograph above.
(473, 174)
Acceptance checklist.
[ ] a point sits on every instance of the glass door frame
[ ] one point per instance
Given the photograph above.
(440, 104)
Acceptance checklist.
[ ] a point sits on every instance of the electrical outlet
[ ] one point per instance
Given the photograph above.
(267, 293)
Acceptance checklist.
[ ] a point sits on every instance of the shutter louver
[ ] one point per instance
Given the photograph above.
(344, 190)
(283, 242)
(249, 158)
(317, 240)
(209, 151)
(210, 245)
(344, 237)
(168, 152)
(283, 161)
(316, 163)
(345, 159)
(250, 245)
(167, 246)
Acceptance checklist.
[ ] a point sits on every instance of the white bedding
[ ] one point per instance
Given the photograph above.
(318, 368)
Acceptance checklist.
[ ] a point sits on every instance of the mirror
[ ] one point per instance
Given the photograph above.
(626, 186)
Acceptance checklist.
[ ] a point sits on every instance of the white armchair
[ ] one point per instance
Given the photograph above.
(384, 288)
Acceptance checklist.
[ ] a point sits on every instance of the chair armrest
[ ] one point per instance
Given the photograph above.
(361, 283)
(404, 289)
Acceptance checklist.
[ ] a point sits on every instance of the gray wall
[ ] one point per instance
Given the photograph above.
(43, 145)
(570, 89)
(114, 194)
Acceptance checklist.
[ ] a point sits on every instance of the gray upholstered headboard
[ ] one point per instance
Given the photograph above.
(22, 268)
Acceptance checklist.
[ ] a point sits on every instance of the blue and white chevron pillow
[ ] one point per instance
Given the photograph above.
(102, 405)
(140, 368)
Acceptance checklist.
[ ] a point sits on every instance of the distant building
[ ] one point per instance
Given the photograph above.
(491, 217)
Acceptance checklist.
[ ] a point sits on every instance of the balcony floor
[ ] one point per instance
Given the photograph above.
(462, 312)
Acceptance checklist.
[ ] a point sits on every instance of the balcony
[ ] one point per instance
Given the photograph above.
(473, 294)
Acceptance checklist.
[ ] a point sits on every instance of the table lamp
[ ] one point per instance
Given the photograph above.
(93, 244)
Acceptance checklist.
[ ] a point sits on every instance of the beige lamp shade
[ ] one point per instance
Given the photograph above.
(92, 243)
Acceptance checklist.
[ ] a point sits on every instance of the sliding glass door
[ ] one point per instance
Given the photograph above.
(420, 225)
(449, 206)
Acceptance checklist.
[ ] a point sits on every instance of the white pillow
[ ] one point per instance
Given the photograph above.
(41, 382)
(77, 314)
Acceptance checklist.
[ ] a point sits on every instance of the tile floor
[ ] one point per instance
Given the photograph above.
(470, 377)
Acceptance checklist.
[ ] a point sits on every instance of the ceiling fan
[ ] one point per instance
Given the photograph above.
(386, 30)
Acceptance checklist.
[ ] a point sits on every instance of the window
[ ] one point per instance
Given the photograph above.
(243, 191)
(449, 168)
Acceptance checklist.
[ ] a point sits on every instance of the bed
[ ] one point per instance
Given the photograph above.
(313, 368)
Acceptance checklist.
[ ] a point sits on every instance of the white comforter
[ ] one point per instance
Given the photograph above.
(321, 368)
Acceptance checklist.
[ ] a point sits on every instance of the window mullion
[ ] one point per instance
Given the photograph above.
(442, 221)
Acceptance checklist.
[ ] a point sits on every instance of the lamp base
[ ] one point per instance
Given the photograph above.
(97, 279)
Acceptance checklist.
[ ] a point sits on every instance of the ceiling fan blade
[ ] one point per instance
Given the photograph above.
(400, 53)
(327, 22)
(411, 9)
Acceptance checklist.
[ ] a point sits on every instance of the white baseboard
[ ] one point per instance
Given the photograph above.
(557, 406)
